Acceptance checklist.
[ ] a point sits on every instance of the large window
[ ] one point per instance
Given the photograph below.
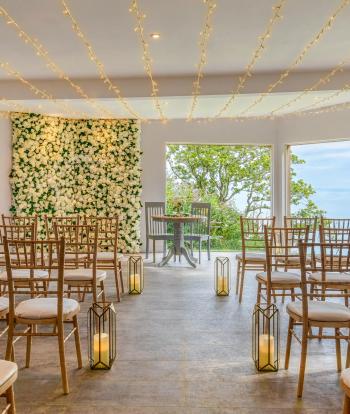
(320, 179)
(236, 180)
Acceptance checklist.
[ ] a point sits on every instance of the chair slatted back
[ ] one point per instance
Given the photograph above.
(34, 255)
(253, 233)
(65, 220)
(16, 232)
(20, 221)
(335, 223)
(108, 229)
(80, 243)
(334, 235)
(203, 210)
(311, 222)
(334, 258)
(154, 208)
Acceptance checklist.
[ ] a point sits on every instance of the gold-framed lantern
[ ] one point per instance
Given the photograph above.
(266, 337)
(135, 275)
(222, 276)
(102, 335)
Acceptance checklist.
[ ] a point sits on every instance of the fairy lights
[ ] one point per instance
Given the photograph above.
(325, 28)
(258, 52)
(203, 44)
(98, 63)
(41, 52)
(140, 16)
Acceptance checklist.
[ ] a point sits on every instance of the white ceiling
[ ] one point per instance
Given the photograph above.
(236, 25)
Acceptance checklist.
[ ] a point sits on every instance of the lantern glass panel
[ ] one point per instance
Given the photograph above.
(265, 344)
(102, 335)
(222, 276)
(135, 274)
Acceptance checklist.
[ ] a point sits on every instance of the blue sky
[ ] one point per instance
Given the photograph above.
(327, 168)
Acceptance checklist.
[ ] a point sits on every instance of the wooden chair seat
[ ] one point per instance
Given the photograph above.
(46, 308)
(25, 274)
(69, 257)
(8, 375)
(83, 274)
(331, 277)
(259, 257)
(279, 277)
(106, 256)
(320, 311)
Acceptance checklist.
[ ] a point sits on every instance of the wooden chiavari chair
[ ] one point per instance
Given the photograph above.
(21, 232)
(335, 223)
(253, 255)
(107, 248)
(281, 247)
(315, 309)
(64, 220)
(81, 247)
(21, 221)
(54, 310)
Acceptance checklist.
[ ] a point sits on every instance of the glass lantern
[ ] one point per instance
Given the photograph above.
(102, 335)
(222, 276)
(265, 344)
(135, 275)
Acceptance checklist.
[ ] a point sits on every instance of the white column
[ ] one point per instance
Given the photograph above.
(5, 165)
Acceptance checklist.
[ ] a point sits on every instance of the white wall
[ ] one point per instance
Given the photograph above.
(5, 165)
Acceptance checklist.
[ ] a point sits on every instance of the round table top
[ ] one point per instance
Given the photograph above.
(181, 219)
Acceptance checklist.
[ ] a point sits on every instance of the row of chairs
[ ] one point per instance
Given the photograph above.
(253, 255)
(198, 232)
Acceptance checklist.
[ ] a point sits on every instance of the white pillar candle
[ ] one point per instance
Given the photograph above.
(101, 349)
(266, 351)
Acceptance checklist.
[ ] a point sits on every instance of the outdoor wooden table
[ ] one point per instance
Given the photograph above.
(178, 247)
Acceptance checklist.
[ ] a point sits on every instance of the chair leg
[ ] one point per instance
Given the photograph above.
(154, 251)
(347, 363)
(191, 246)
(238, 276)
(62, 358)
(77, 341)
(29, 346)
(116, 275)
(346, 299)
(121, 276)
(10, 400)
(258, 296)
(199, 251)
(292, 293)
(242, 283)
(338, 349)
(147, 247)
(289, 343)
(164, 248)
(102, 287)
(302, 362)
(208, 248)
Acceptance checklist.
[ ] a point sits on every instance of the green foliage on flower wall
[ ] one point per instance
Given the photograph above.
(67, 166)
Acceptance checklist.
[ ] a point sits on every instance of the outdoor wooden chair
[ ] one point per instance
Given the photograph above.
(107, 248)
(200, 230)
(253, 255)
(317, 308)
(281, 248)
(54, 310)
(81, 274)
(156, 230)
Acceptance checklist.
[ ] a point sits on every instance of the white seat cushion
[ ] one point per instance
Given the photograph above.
(321, 311)
(83, 274)
(8, 374)
(331, 277)
(25, 274)
(252, 256)
(71, 256)
(105, 255)
(345, 377)
(279, 277)
(46, 308)
(4, 304)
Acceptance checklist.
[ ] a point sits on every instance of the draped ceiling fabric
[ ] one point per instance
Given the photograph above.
(68, 166)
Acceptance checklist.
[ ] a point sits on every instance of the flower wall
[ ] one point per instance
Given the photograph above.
(67, 166)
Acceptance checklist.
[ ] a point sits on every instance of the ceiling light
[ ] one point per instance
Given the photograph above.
(155, 35)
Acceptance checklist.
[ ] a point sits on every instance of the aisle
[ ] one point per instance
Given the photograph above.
(181, 350)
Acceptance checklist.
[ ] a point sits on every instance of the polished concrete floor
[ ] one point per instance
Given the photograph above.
(181, 349)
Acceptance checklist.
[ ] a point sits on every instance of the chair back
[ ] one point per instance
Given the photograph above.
(311, 222)
(252, 233)
(15, 232)
(34, 255)
(20, 221)
(334, 258)
(335, 223)
(154, 208)
(80, 244)
(334, 235)
(201, 226)
(51, 220)
(108, 228)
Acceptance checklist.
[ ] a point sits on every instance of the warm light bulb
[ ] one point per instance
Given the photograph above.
(155, 35)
